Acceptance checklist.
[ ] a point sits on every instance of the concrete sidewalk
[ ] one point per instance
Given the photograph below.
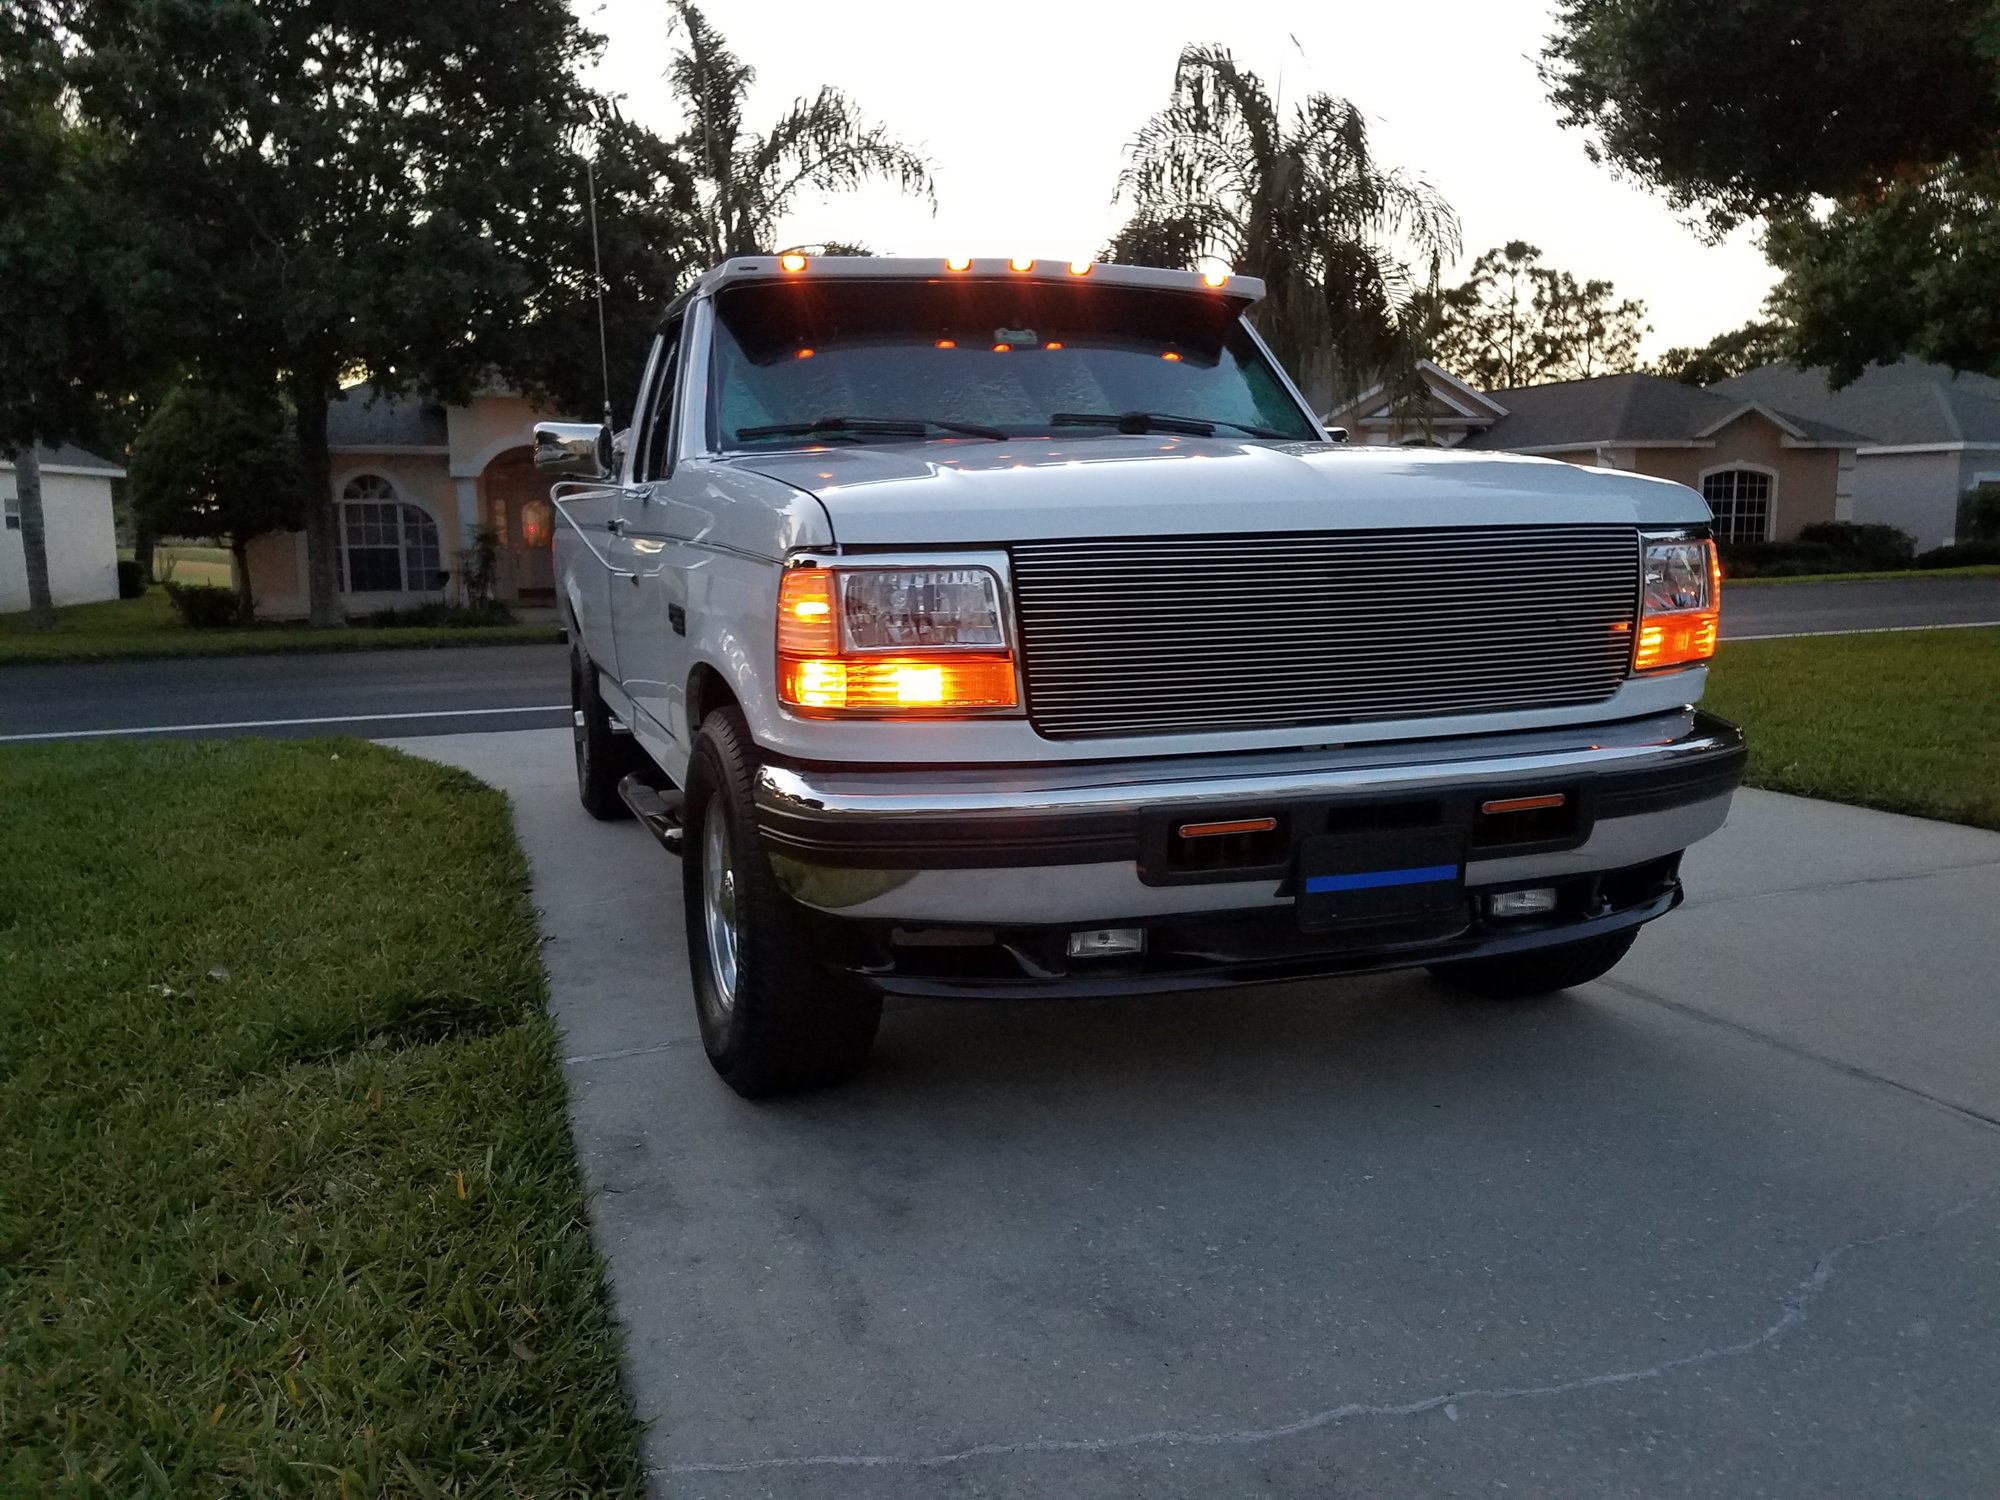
(1722, 1224)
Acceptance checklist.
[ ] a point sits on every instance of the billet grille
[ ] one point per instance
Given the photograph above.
(1176, 634)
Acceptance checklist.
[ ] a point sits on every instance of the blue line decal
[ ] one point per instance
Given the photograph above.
(1375, 879)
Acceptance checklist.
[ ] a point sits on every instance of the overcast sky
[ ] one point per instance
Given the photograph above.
(1025, 112)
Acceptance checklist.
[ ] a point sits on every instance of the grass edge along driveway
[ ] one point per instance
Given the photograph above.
(291, 1204)
(1908, 722)
(147, 627)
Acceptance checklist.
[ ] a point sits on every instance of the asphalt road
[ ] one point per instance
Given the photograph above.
(483, 688)
(1722, 1225)
(1766, 609)
(366, 693)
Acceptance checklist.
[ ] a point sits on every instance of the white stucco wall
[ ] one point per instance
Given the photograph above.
(1917, 492)
(82, 541)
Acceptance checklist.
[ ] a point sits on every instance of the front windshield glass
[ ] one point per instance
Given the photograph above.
(1009, 355)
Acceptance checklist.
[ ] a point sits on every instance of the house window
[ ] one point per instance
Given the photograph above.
(1741, 500)
(10, 507)
(391, 547)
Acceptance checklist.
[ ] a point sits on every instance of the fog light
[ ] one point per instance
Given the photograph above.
(1107, 942)
(1535, 903)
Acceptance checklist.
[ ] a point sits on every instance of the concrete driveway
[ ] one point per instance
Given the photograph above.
(1722, 1225)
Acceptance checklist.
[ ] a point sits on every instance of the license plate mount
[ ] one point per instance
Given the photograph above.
(1389, 887)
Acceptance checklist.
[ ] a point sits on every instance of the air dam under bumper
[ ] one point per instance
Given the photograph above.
(909, 856)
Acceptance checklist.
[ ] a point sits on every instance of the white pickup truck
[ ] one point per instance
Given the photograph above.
(1012, 628)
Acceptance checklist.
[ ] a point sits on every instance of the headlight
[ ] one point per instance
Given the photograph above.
(890, 641)
(1681, 610)
(898, 609)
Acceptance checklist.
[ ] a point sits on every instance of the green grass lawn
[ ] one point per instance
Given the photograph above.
(290, 1205)
(1908, 721)
(125, 629)
(186, 562)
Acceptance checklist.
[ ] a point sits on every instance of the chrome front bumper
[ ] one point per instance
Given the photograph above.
(1067, 845)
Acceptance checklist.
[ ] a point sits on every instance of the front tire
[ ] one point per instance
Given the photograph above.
(1540, 971)
(773, 1019)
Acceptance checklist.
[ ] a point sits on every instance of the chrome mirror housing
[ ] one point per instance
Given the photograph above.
(581, 450)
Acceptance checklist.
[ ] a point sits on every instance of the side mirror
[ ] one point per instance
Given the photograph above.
(579, 449)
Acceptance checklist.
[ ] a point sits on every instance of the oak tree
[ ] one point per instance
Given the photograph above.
(1514, 321)
(1865, 135)
(357, 191)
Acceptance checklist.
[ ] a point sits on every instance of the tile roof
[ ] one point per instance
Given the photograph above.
(358, 418)
(1905, 403)
(1632, 408)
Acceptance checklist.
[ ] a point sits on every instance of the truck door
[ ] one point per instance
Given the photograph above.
(649, 609)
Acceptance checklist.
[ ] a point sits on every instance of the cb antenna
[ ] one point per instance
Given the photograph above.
(597, 272)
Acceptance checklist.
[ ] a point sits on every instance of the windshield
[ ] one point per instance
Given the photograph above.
(1005, 355)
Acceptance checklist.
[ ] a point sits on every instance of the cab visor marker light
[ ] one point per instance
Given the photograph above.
(1214, 278)
(793, 261)
(1079, 268)
(1023, 263)
(1681, 613)
(958, 263)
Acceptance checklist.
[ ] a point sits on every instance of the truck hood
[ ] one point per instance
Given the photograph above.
(1027, 489)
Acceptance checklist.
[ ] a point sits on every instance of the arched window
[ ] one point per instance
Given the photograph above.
(392, 547)
(1741, 500)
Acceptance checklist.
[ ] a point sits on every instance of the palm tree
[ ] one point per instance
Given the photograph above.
(747, 181)
(1349, 250)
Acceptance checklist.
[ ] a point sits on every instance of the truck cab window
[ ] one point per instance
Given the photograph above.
(656, 446)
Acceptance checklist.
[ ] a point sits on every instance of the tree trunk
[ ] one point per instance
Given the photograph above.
(309, 397)
(246, 605)
(34, 537)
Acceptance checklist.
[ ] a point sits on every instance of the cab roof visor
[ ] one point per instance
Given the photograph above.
(1238, 290)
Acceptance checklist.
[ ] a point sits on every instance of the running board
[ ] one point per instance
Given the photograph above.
(659, 810)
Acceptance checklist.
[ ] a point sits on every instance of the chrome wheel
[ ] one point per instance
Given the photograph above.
(718, 904)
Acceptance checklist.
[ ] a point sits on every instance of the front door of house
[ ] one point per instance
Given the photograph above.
(518, 510)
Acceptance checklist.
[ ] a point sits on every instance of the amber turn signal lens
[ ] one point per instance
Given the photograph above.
(805, 613)
(891, 684)
(1674, 640)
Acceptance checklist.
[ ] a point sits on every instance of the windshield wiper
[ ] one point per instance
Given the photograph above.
(1157, 421)
(870, 426)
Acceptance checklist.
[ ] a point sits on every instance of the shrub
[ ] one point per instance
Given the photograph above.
(1871, 548)
(1979, 514)
(1779, 560)
(459, 616)
(1823, 547)
(131, 579)
(203, 606)
(1964, 555)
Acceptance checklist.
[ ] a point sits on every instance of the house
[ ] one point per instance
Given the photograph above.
(1445, 414)
(413, 482)
(77, 521)
(1932, 436)
(1764, 470)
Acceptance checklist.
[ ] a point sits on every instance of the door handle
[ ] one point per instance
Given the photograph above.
(616, 526)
